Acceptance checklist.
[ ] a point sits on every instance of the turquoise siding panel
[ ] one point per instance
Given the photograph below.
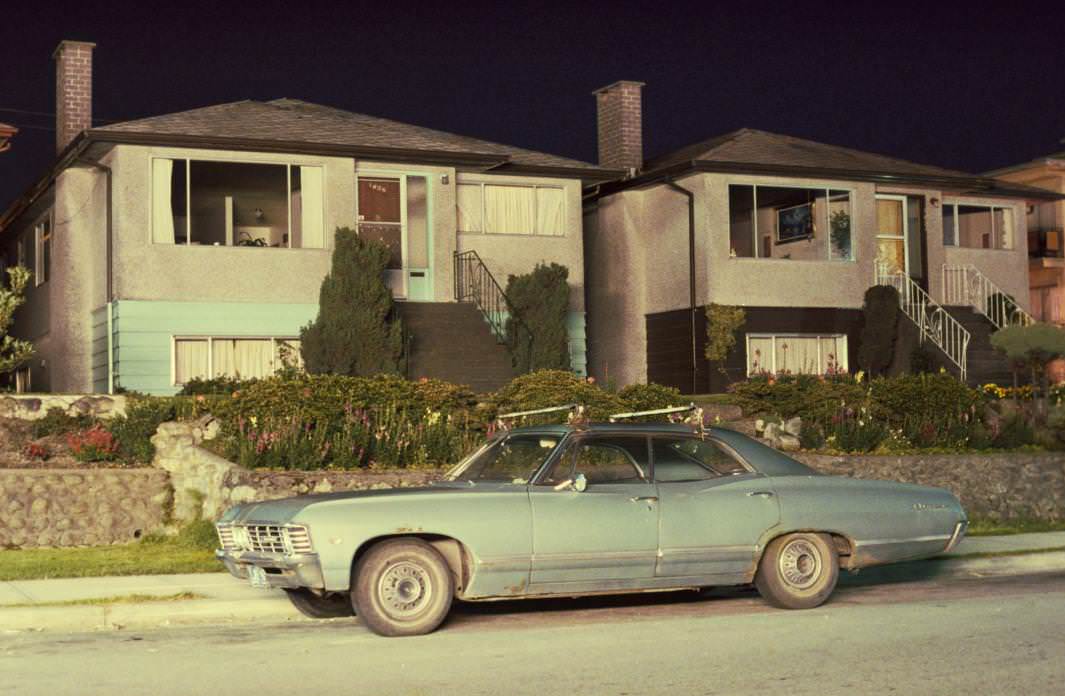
(99, 350)
(144, 333)
(576, 328)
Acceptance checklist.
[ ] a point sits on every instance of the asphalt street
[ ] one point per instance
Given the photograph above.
(1001, 635)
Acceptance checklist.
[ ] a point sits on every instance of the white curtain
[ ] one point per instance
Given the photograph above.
(190, 360)
(288, 349)
(468, 201)
(245, 358)
(797, 354)
(833, 354)
(162, 214)
(759, 355)
(551, 211)
(312, 217)
(509, 209)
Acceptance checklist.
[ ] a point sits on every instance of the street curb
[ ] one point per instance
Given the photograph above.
(277, 609)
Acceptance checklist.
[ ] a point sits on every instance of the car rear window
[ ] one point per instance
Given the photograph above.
(692, 459)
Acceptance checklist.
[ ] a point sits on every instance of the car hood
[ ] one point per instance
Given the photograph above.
(285, 509)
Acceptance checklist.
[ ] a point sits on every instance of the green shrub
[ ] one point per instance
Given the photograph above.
(57, 422)
(935, 397)
(216, 385)
(787, 396)
(647, 397)
(723, 324)
(133, 431)
(92, 445)
(356, 332)
(877, 343)
(1014, 432)
(811, 436)
(541, 299)
(856, 432)
(546, 388)
(922, 360)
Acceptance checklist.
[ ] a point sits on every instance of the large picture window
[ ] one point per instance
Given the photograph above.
(978, 226)
(204, 357)
(212, 203)
(783, 222)
(814, 354)
(509, 209)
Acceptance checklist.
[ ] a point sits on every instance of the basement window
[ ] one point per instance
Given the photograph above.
(812, 354)
(509, 209)
(978, 226)
(204, 357)
(42, 261)
(787, 222)
(210, 203)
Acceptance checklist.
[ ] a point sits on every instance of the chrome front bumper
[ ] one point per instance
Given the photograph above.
(302, 570)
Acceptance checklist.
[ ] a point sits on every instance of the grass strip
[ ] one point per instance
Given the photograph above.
(985, 527)
(102, 601)
(1000, 554)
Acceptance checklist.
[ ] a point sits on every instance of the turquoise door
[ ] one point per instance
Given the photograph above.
(607, 532)
(714, 511)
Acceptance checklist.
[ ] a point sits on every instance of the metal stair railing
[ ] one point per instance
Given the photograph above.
(968, 286)
(933, 321)
(475, 283)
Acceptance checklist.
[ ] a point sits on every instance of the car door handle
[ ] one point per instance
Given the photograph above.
(644, 498)
(760, 494)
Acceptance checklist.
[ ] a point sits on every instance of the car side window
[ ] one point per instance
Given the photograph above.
(692, 459)
(603, 460)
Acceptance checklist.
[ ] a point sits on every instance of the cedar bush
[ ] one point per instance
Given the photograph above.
(133, 431)
(545, 388)
(57, 422)
(646, 397)
(541, 299)
(355, 332)
(198, 386)
(809, 396)
(927, 397)
(877, 342)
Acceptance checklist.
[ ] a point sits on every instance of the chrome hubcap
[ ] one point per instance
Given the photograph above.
(404, 589)
(800, 564)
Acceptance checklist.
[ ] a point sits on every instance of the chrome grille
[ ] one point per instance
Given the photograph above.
(265, 538)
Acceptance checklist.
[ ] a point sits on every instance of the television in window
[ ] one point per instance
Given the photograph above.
(795, 222)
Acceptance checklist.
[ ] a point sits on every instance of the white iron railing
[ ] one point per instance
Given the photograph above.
(967, 286)
(933, 321)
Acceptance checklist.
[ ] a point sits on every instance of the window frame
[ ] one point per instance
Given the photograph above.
(209, 339)
(42, 266)
(536, 209)
(825, 223)
(773, 337)
(995, 235)
(188, 160)
(568, 447)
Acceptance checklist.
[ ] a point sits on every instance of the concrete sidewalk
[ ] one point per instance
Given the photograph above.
(227, 599)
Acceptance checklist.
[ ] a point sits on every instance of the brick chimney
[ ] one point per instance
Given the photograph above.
(620, 125)
(73, 90)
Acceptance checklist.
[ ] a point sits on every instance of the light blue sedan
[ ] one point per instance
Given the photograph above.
(584, 509)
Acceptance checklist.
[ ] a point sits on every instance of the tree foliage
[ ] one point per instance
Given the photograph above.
(13, 352)
(356, 332)
(541, 299)
(722, 323)
(881, 312)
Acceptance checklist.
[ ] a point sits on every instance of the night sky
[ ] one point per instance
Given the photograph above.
(957, 86)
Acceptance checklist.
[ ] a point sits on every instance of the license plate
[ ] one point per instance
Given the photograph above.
(257, 577)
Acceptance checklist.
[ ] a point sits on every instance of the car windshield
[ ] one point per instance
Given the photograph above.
(512, 458)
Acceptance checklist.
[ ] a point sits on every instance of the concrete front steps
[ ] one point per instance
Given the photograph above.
(985, 364)
(453, 342)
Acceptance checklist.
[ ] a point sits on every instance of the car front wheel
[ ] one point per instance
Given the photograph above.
(402, 587)
(328, 606)
(798, 571)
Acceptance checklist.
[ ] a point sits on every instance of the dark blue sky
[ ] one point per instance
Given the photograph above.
(954, 85)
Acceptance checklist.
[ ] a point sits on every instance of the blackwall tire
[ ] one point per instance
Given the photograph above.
(331, 606)
(402, 587)
(798, 571)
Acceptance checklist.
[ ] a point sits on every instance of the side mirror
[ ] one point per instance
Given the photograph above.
(580, 483)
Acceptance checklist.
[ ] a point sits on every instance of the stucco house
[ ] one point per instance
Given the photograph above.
(1046, 235)
(193, 244)
(795, 232)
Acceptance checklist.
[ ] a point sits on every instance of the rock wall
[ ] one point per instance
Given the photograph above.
(80, 507)
(36, 406)
(994, 486)
(205, 484)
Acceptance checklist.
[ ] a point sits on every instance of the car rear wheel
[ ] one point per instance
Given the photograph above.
(328, 606)
(798, 571)
(402, 587)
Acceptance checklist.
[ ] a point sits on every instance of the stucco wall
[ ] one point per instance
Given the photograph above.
(1006, 268)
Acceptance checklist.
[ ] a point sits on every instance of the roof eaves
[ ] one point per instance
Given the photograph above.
(70, 153)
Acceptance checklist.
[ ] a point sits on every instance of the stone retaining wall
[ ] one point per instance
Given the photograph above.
(80, 507)
(36, 406)
(995, 486)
